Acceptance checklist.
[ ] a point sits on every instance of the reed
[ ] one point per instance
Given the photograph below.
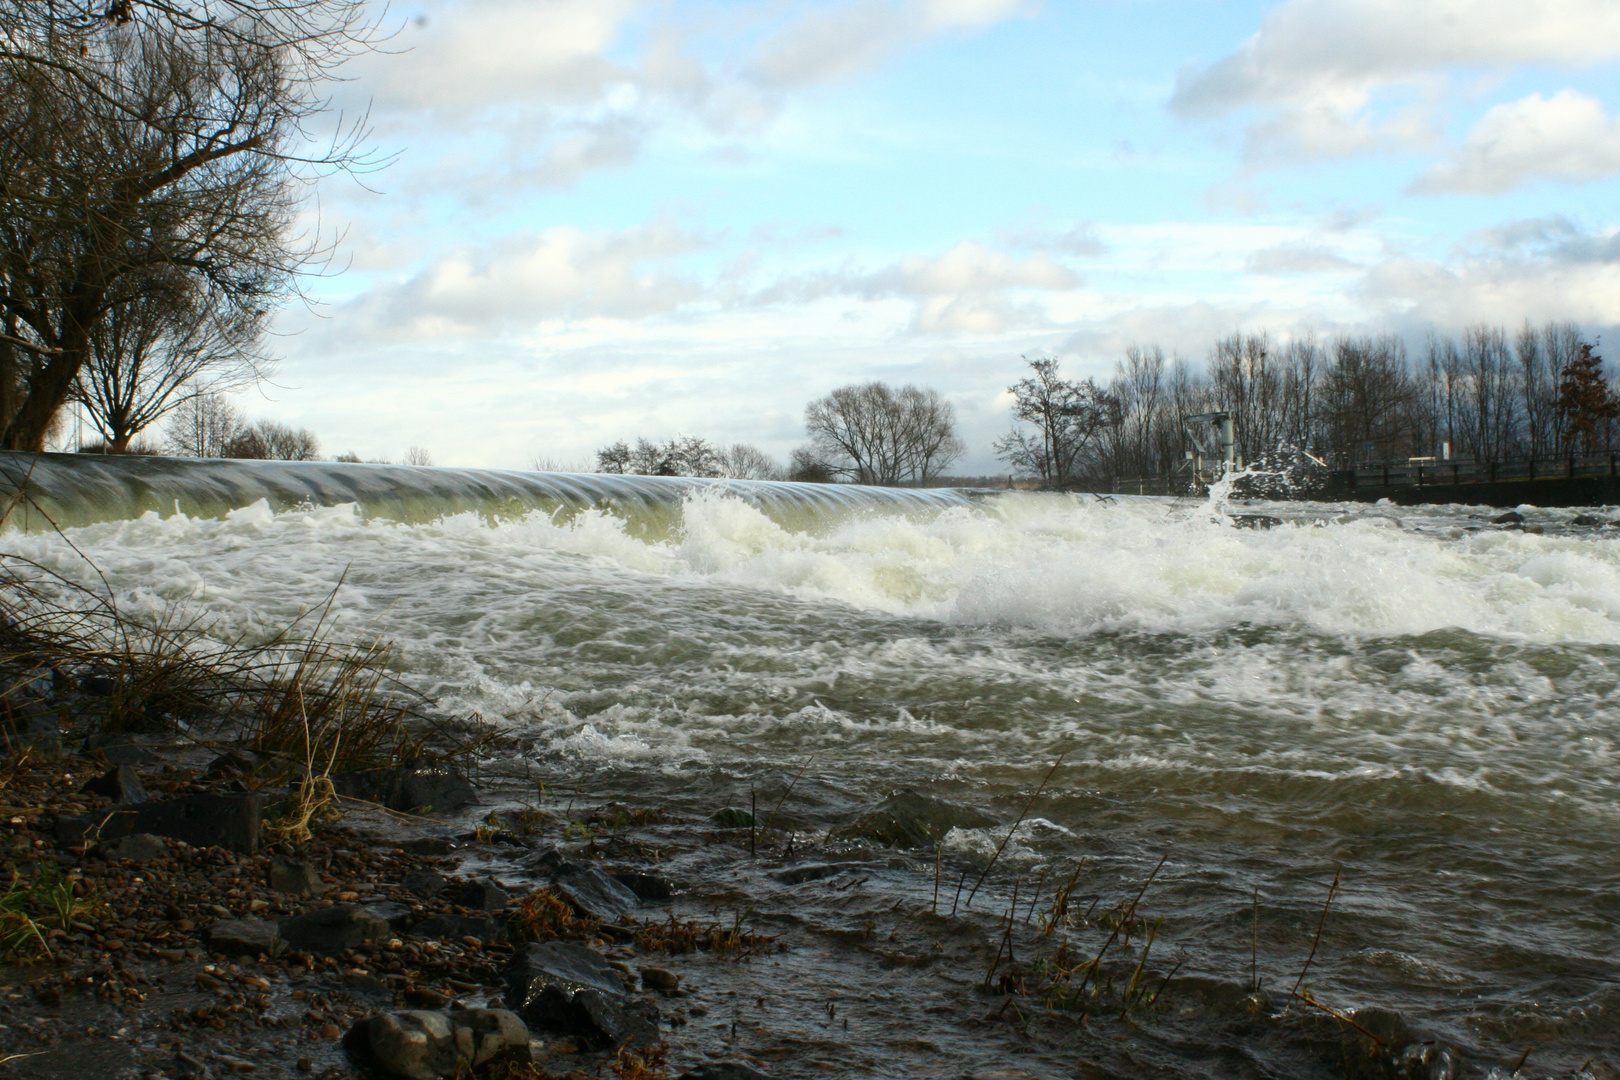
(1008, 838)
(1333, 890)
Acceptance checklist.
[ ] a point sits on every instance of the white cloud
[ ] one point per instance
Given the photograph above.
(559, 274)
(1322, 67)
(1298, 258)
(1564, 137)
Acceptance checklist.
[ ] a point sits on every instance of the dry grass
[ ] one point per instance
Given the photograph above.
(543, 915)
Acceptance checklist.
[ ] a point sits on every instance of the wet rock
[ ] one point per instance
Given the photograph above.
(136, 847)
(423, 883)
(119, 748)
(646, 886)
(1512, 517)
(482, 895)
(31, 726)
(911, 819)
(413, 788)
(121, 783)
(724, 1070)
(294, 878)
(1255, 521)
(244, 937)
(397, 915)
(229, 821)
(657, 978)
(570, 990)
(231, 765)
(1587, 521)
(732, 818)
(422, 1045)
(446, 927)
(429, 845)
(551, 862)
(334, 929)
(594, 895)
(419, 998)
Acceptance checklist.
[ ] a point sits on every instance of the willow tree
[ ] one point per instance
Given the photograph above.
(147, 142)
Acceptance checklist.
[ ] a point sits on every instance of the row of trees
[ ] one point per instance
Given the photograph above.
(866, 434)
(1487, 395)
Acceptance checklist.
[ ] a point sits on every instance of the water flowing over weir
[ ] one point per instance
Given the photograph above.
(1420, 699)
(81, 489)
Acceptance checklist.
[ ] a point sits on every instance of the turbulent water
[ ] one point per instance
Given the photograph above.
(1412, 697)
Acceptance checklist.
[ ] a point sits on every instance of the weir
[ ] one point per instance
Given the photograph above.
(68, 490)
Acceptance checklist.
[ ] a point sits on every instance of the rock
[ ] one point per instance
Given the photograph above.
(911, 819)
(429, 845)
(594, 895)
(724, 1070)
(456, 927)
(334, 929)
(570, 990)
(244, 937)
(232, 764)
(482, 895)
(423, 883)
(397, 915)
(413, 788)
(422, 1045)
(1255, 521)
(30, 725)
(294, 878)
(136, 847)
(230, 821)
(732, 818)
(419, 998)
(121, 783)
(657, 978)
(1512, 517)
(119, 748)
(551, 862)
(646, 886)
(1587, 521)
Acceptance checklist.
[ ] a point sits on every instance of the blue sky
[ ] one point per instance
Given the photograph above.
(610, 218)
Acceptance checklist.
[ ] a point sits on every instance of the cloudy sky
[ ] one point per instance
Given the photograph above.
(610, 218)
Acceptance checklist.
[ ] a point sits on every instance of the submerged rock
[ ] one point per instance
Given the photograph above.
(912, 819)
(482, 895)
(420, 1044)
(731, 818)
(646, 886)
(121, 783)
(1512, 517)
(412, 788)
(245, 937)
(594, 895)
(571, 990)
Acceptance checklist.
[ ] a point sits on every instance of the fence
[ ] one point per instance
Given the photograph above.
(1419, 473)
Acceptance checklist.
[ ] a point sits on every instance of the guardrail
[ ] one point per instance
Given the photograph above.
(1421, 473)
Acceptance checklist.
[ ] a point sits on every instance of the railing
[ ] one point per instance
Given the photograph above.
(1421, 473)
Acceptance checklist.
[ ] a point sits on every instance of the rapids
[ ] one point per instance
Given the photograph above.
(1410, 696)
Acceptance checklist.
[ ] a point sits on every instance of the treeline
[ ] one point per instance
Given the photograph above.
(1490, 394)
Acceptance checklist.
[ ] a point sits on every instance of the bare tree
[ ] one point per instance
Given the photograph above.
(874, 434)
(744, 461)
(418, 455)
(266, 440)
(204, 425)
(1070, 419)
(144, 139)
(151, 353)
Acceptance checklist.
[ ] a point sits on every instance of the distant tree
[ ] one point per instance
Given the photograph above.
(874, 434)
(203, 426)
(743, 461)
(1584, 398)
(417, 455)
(350, 458)
(1069, 418)
(806, 467)
(266, 440)
(684, 455)
(614, 458)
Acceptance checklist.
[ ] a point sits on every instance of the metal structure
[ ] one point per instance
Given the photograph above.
(1213, 439)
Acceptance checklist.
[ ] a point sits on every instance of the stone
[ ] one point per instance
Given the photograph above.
(731, 818)
(421, 1044)
(724, 1070)
(1587, 521)
(646, 886)
(570, 990)
(424, 883)
(232, 764)
(244, 937)
(657, 978)
(411, 788)
(294, 878)
(119, 748)
(30, 725)
(429, 845)
(911, 819)
(1512, 517)
(229, 821)
(121, 783)
(334, 929)
(446, 927)
(397, 915)
(136, 847)
(482, 895)
(594, 895)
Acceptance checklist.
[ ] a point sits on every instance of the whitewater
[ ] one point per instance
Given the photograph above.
(1415, 698)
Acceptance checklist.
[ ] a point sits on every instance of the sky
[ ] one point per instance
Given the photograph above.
(604, 219)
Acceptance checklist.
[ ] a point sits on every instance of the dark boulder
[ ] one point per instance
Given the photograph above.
(294, 878)
(593, 895)
(121, 783)
(332, 930)
(232, 765)
(570, 990)
(912, 819)
(397, 915)
(423, 883)
(482, 895)
(1512, 517)
(228, 821)
(731, 818)
(244, 937)
(412, 788)
(646, 886)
